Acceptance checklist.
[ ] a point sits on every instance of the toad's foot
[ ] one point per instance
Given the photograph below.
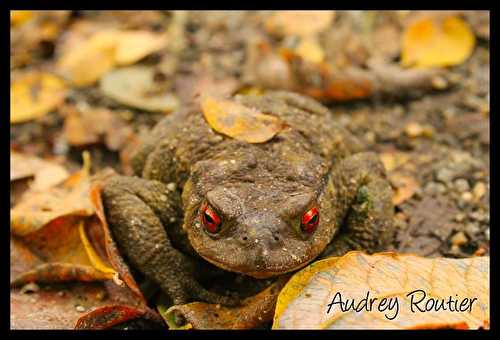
(139, 211)
(367, 214)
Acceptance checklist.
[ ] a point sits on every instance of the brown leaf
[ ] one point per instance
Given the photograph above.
(40, 207)
(135, 86)
(35, 94)
(109, 316)
(238, 121)
(303, 302)
(406, 186)
(96, 125)
(45, 173)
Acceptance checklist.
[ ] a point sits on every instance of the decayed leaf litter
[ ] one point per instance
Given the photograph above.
(353, 83)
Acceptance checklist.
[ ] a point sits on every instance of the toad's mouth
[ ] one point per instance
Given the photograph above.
(257, 270)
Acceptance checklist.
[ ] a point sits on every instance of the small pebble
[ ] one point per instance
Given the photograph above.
(478, 216)
(459, 217)
(466, 196)
(455, 250)
(487, 234)
(80, 308)
(459, 239)
(462, 185)
(171, 186)
(444, 175)
(413, 129)
(471, 229)
(479, 190)
(433, 188)
(30, 288)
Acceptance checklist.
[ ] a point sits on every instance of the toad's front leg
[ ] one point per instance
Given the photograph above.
(138, 211)
(363, 205)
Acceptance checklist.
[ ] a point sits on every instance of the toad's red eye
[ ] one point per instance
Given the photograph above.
(210, 219)
(310, 220)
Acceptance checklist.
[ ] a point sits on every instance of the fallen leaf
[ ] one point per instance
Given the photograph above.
(238, 121)
(135, 86)
(303, 302)
(40, 207)
(436, 41)
(45, 173)
(19, 17)
(97, 51)
(53, 224)
(132, 46)
(80, 128)
(106, 49)
(393, 159)
(254, 311)
(33, 95)
(406, 186)
(309, 49)
(300, 23)
(109, 316)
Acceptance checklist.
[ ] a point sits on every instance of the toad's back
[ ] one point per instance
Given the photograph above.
(302, 152)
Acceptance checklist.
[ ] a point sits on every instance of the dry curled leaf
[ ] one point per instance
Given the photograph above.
(45, 173)
(40, 207)
(437, 41)
(55, 224)
(300, 23)
(35, 94)
(406, 186)
(238, 121)
(311, 299)
(135, 86)
(104, 50)
(97, 51)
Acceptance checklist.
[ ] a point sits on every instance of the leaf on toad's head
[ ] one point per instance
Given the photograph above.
(302, 23)
(97, 51)
(238, 121)
(132, 46)
(254, 311)
(135, 86)
(35, 94)
(304, 301)
(432, 42)
(45, 173)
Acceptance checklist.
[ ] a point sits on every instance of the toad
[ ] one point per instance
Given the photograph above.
(201, 202)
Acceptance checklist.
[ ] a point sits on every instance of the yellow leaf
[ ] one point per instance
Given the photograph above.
(135, 45)
(19, 17)
(135, 86)
(310, 50)
(433, 42)
(33, 95)
(45, 173)
(91, 253)
(87, 62)
(238, 121)
(302, 23)
(311, 299)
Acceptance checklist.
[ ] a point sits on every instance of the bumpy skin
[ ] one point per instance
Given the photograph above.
(260, 191)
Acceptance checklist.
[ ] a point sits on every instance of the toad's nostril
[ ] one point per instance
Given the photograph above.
(244, 238)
